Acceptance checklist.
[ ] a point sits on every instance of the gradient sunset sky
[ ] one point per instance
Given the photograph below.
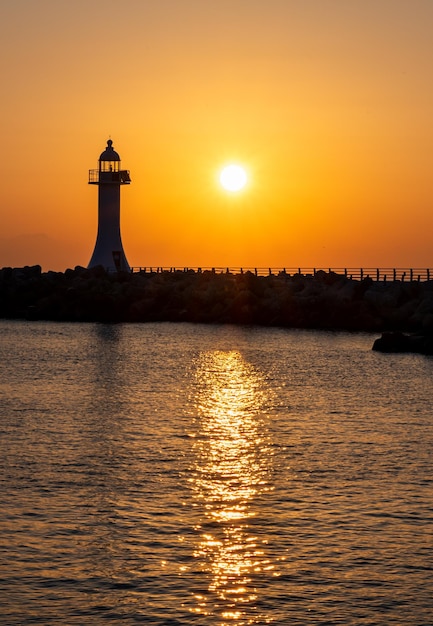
(328, 104)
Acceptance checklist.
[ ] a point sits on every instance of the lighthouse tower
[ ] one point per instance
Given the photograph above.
(109, 177)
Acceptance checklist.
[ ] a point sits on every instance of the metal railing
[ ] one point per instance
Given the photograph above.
(376, 274)
(120, 177)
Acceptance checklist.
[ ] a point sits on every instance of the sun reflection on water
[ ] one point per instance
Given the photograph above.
(232, 464)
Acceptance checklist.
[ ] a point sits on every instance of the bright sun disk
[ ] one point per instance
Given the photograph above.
(233, 177)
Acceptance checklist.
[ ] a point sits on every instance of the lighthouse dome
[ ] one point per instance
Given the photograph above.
(109, 154)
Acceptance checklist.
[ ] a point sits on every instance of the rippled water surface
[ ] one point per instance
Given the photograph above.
(176, 474)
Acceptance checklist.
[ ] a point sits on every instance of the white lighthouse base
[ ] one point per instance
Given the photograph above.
(112, 260)
(108, 250)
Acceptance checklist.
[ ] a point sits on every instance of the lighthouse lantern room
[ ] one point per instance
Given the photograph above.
(109, 177)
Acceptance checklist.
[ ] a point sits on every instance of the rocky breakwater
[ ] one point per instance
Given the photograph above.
(323, 301)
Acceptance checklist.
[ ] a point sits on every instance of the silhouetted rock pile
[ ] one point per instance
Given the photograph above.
(326, 300)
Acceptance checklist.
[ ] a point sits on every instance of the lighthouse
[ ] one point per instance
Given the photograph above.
(109, 177)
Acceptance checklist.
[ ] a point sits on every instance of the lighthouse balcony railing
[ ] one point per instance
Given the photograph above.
(96, 177)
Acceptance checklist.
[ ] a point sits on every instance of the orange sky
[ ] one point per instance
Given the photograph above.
(327, 103)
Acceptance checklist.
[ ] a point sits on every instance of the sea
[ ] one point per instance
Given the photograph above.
(179, 474)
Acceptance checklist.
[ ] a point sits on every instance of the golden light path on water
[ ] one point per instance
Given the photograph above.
(231, 472)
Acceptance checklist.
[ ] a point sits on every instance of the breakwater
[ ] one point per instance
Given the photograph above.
(322, 300)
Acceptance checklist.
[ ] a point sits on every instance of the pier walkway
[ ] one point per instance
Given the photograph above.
(376, 274)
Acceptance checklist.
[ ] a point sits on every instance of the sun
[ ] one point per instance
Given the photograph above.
(233, 177)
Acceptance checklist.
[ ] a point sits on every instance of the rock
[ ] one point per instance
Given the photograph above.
(396, 342)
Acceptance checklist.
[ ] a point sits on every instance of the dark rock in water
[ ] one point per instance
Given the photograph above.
(399, 342)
